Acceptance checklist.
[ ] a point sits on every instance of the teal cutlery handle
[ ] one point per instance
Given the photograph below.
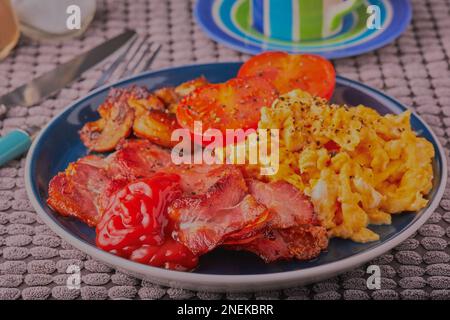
(13, 145)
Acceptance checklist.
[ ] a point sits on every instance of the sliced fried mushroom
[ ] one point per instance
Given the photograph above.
(149, 102)
(117, 115)
(171, 96)
(150, 115)
(115, 124)
(168, 96)
(156, 126)
(116, 120)
(189, 86)
(152, 121)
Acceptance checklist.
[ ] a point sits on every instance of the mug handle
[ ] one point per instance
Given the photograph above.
(342, 10)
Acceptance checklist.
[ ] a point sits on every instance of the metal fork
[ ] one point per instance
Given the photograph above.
(135, 58)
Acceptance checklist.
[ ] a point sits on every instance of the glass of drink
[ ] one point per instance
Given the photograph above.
(9, 28)
(54, 19)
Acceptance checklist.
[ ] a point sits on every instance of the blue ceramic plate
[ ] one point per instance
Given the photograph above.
(227, 22)
(59, 143)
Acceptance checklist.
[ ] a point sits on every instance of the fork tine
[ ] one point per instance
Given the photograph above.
(114, 72)
(114, 65)
(152, 57)
(131, 54)
(139, 53)
(147, 57)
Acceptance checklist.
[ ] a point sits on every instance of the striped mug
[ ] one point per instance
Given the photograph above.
(300, 20)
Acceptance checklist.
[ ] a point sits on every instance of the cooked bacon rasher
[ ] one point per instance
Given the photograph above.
(79, 190)
(137, 158)
(218, 206)
(302, 242)
(84, 188)
(288, 205)
(205, 219)
(292, 231)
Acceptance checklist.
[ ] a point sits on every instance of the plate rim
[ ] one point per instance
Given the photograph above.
(217, 282)
(341, 53)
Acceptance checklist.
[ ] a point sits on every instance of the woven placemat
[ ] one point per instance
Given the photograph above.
(413, 69)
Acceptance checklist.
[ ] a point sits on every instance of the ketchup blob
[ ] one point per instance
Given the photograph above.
(136, 226)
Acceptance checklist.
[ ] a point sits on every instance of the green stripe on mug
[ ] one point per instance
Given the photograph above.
(300, 20)
(311, 18)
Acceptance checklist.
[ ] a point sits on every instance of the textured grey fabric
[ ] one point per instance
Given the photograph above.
(414, 69)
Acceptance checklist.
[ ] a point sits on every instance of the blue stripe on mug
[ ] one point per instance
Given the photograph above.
(257, 15)
(269, 17)
(283, 22)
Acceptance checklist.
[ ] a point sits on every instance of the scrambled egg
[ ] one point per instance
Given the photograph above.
(357, 166)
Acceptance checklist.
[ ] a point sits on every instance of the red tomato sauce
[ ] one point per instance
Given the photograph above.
(136, 225)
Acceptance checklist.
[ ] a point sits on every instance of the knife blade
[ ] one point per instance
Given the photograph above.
(51, 82)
